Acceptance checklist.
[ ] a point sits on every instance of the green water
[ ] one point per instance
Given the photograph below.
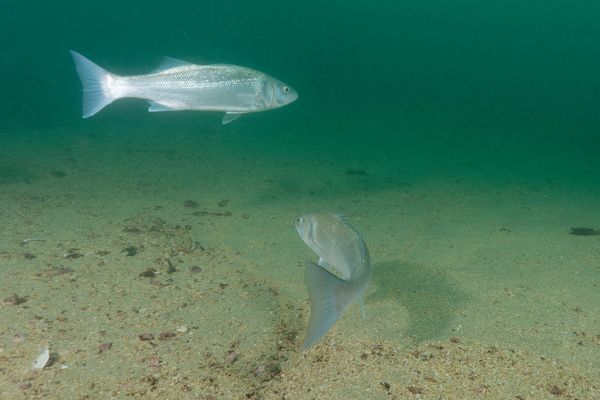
(462, 138)
(511, 85)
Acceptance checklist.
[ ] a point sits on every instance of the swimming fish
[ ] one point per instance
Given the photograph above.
(178, 85)
(342, 274)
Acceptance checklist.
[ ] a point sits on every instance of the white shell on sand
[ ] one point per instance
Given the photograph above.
(42, 360)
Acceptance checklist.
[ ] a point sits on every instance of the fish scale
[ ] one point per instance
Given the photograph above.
(195, 90)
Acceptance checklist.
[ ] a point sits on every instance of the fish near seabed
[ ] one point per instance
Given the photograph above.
(342, 274)
(179, 85)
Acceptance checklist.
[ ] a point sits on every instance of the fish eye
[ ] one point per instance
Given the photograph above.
(286, 89)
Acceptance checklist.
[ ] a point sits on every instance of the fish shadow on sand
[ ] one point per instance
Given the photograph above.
(337, 185)
(431, 299)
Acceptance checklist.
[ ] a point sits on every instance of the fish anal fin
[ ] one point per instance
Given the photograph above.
(231, 116)
(157, 107)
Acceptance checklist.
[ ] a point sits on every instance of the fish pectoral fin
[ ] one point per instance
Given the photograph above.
(231, 116)
(327, 302)
(343, 274)
(170, 62)
(157, 107)
(361, 303)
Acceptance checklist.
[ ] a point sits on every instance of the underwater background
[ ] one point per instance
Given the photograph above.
(460, 138)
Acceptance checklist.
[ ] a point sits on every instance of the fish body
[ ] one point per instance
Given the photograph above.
(342, 274)
(178, 85)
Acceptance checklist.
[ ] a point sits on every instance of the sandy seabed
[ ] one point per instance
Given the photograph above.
(170, 269)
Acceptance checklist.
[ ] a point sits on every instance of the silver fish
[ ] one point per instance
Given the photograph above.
(342, 275)
(178, 85)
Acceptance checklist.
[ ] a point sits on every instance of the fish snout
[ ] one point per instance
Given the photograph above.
(283, 94)
(292, 95)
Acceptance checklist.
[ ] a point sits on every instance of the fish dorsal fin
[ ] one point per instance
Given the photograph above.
(170, 62)
(341, 217)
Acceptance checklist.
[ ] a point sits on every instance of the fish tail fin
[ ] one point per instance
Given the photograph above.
(96, 85)
(328, 299)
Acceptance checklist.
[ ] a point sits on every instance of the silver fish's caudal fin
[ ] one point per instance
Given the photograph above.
(96, 84)
(327, 301)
